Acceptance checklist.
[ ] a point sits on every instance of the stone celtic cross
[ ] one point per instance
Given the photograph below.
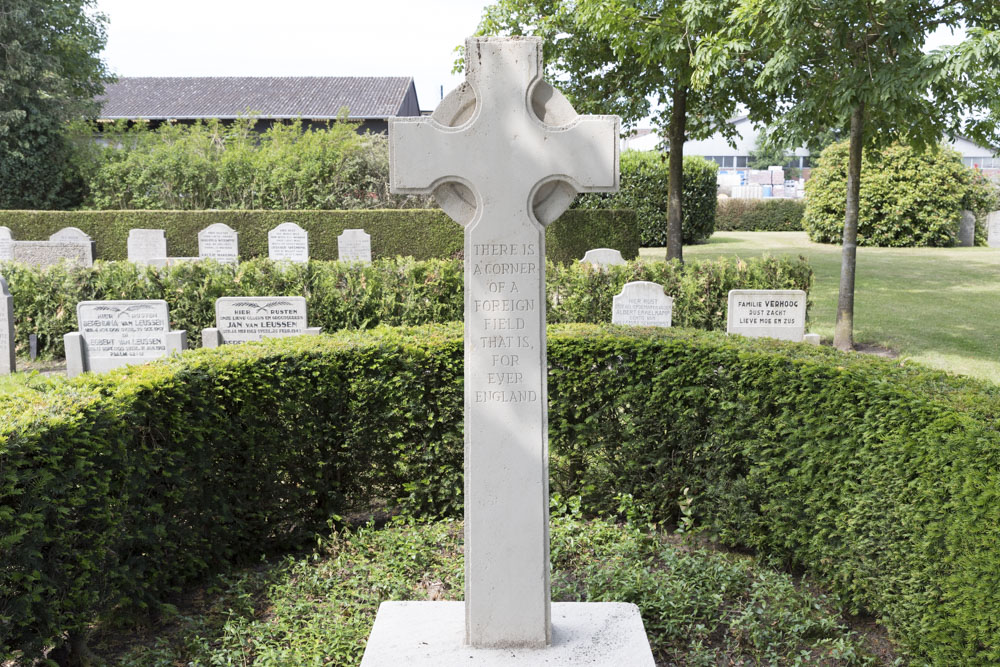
(504, 155)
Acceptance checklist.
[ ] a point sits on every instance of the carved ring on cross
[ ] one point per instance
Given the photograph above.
(552, 198)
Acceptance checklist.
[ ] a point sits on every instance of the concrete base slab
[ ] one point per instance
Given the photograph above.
(599, 634)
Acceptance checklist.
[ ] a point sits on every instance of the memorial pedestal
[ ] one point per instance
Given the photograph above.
(425, 634)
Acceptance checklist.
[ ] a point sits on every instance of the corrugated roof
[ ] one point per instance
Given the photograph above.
(268, 97)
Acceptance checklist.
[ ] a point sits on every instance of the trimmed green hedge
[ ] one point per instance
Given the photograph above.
(358, 296)
(645, 180)
(418, 233)
(881, 479)
(759, 215)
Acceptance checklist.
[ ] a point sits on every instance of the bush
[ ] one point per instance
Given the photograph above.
(645, 179)
(357, 296)
(418, 233)
(907, 198)
(759, 215)
(209, 165)
(880, 479)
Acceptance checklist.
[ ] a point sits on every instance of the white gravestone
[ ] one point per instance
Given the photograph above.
(67, 245)
(993, 229)
(117, 333)
(355, 245)
(219, 242)
(288, 242)
(242, 319)
(504, 154)
(767, 314)
(8, 364)
(642, 304)
(967, 230)
(601, 257)
(6, 245)
(146, 244)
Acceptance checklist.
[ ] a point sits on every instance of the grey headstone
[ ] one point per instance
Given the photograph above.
(288, 242)
(49, 253)
(242, 319)
(117, 333)
(219, 242)
(146, 244)
(993, 229)
(355, 245)
(967, 230)
(6, 245)
(811, 338)
(8, 363)
(642, 304)
(70, 235)
(601, 257)
(767, 314)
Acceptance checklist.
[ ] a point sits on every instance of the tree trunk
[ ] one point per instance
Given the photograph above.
(678, 116)
(843, 336)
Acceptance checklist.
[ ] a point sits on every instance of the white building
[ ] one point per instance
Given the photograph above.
(734, 159)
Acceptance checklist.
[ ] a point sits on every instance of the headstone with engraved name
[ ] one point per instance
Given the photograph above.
(117, 333)
(967, 230)
(242, 319)
(8, 364)
(767, 314)
(145, 245)
(993, 229)
(642, 303)
(6, 245)
(504, 155)
(355, 245)
(67, 245)
(219, 242)
(602, 257)
(288, 242)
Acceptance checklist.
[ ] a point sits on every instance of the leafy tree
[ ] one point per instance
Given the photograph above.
(634, 58)
(859, 66)
(50, 71)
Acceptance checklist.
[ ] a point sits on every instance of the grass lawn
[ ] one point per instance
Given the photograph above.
(937, 306)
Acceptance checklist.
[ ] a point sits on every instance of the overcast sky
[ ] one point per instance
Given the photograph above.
(299, 38)
(294, 38)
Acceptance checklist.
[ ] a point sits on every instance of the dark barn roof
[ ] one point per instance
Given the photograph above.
(312, 97)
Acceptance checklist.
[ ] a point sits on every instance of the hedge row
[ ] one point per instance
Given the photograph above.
(418, 233)
(881, 480)
(759, 215)
(645, 182)
(357, 296)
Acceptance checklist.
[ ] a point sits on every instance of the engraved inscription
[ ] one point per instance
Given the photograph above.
(136, 330)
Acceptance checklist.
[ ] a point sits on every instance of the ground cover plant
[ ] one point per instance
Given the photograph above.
(932, 305)
(699, 607)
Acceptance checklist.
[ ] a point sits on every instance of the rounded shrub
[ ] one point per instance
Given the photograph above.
(881, 480)
(645, 180)
(908, 198)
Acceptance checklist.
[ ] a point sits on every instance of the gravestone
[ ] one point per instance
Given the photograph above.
(355, 245)
(993, 229)
(8, 364)
(642, 304)
(116, 333)
(146, 244)
(288, 242)
(219, 242)
(967, 230)
(70, 245)
(758, 313)
(6, 245)
(242, 319)
(504, 155)
(601, 257)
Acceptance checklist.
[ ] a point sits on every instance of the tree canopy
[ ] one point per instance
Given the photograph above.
(50, 72)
